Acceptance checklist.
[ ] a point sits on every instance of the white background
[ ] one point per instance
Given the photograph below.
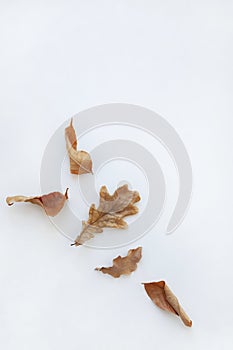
(60, 57)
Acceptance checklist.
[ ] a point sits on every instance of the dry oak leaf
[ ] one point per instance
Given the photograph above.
(164, 298)
(52, 203)
(123, 266)
(110, 212)
(80, 161)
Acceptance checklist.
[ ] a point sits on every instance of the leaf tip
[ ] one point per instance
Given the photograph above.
(103, 189)
(76, 244)
(8, 201)
(66, 193)
(190, 323)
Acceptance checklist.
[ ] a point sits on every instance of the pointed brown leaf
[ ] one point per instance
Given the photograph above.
(80, 161)
(110, 212)
(125, 265)
(52, 203)
(164, 298)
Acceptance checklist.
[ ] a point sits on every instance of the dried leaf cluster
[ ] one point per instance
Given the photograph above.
(111, 211)
(159, 292)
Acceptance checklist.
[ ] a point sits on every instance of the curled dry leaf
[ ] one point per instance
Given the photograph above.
(110, 212)
(164, 298)
(80, 161)
(52, 203)
(123, 266)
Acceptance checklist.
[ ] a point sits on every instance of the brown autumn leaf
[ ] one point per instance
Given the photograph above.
(125, 265)
(80, 161)
(110, 212)
(52, 203)
(164, 298)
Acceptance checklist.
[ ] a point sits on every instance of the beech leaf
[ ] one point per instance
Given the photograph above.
(110, 212)
(80, 161)
(125, 265)
(52, 203)
(164, 298)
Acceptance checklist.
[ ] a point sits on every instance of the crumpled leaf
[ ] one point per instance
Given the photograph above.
(80, 161)
(110, 212)
(125, 265)
(164, 298)
(52, 203)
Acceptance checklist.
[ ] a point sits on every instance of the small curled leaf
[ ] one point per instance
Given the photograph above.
(164, 298)
(80, 161)
(52, 203)
(125, 265)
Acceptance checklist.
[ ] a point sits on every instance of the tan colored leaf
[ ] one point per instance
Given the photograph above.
(80, 161)
(52, 203)
(110, 212)
(123, 266)
(164, 298)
